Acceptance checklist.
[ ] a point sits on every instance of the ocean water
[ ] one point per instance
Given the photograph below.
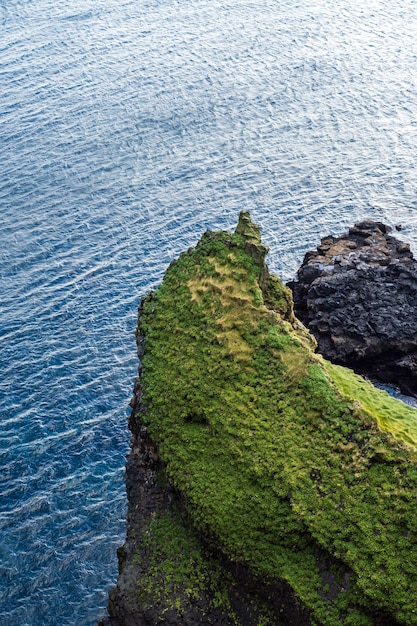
(127, 128)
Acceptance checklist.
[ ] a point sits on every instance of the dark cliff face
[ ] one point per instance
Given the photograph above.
(358, 295)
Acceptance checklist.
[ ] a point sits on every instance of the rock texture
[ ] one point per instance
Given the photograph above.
(358, 295)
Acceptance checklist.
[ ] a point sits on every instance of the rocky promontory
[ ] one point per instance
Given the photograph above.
(266, 485)
(357, 294)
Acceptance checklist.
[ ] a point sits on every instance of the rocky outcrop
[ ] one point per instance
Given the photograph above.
(219, 591)
(265, 485)
(357, 294)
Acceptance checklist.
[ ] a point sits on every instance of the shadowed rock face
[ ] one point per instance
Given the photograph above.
(358, 295)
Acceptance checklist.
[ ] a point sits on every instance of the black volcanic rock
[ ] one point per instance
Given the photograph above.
(358, 295)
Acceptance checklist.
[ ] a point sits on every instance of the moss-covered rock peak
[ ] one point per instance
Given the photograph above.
(296, 470)
(248, 229)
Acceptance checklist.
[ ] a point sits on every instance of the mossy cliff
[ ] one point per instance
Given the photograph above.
(286, 487)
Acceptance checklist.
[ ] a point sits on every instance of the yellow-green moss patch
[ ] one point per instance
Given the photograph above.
(391, 415)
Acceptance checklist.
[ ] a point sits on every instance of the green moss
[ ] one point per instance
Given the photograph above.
(247, 229)
(177, 571)
(391, 415)
(277, 453)
(279, 298)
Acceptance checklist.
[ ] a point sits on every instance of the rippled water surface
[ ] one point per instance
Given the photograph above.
(127, 128)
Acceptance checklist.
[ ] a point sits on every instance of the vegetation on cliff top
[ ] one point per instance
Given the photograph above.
(282, 458)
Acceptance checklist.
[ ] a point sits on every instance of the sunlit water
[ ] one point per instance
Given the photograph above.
(127, 128)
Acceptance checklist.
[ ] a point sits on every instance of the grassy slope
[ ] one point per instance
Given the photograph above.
(276, 451)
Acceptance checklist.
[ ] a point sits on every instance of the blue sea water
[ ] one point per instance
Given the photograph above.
(127, 128)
